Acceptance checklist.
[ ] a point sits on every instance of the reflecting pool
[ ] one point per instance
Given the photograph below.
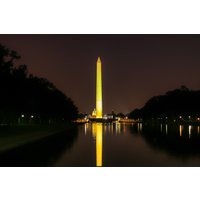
(134, 145)
(117, 144)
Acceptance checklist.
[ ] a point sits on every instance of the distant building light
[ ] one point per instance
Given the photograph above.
(180, 117)
(22, 116)
(32, 116)
(198, 118)
(189, 117)
(166, 117)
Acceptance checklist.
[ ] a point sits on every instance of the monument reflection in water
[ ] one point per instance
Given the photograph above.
(98, 134)
(141, 145)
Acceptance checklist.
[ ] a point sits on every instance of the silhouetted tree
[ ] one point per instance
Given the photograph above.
(29, 95)
(179, 102)
(121, 115)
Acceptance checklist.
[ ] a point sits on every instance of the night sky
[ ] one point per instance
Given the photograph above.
(135, 67)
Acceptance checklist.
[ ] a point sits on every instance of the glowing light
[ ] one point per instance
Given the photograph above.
(22, 116)
(85, 128)
(99, 107)
(32, 116)
(124, 129)
(97, 131)
(94, 112)
(198, 129)
(118, 128)
(181, 130)
(166, 128)
(94, 130)
(190, 128)
(161, 128)
(99, 149)
(139, 127)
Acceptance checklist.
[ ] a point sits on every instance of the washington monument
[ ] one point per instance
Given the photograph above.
(99, 106)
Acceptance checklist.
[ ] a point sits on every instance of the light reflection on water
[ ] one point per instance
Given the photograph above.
(166, 139)
(139, 126)
(117, 144)
(190, 131)
(181, 130)
(98, 135)
(97, 130)
(96, 144)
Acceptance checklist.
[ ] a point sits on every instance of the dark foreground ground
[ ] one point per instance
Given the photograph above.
(34, 145)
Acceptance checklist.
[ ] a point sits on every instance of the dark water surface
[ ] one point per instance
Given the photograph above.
(112, 145)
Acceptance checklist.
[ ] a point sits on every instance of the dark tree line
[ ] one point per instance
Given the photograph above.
(174, 104)
(29, 97)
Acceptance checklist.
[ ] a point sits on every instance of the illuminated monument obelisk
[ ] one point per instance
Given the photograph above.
(99, 106)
